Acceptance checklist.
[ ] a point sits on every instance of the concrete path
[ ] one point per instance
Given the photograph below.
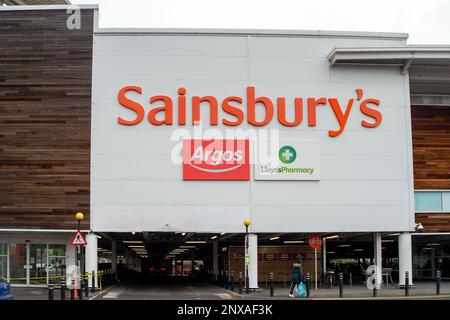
(166, 289)
(145, 288)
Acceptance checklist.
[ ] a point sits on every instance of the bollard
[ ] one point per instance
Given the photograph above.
(247, 283)
(240, 282)
(232, 281)
(271, 284)
(86, 286)
(438, 282)
(50, 289)
(406, 283)
(93, 281)
(226, 280)
(374, 290)
(80, 289)
(63, 288)
(72, 291)
(307, 284)
(100, 280)
(341, 284)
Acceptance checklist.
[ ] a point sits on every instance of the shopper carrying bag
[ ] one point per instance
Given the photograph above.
(297, 278)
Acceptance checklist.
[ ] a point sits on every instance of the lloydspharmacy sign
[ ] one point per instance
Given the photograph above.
(296, 160)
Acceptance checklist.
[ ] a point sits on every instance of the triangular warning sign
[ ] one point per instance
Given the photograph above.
(78, 239)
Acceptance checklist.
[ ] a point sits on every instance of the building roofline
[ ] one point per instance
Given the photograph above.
(403, 56)
(406, 52)
(49, 7)
(255, 32)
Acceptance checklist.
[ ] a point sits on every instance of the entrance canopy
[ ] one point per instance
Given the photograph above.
(428, 67)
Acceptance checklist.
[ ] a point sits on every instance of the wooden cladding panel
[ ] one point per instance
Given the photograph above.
(434, 222)
(431, 147)
(45, 119)
(281, 269)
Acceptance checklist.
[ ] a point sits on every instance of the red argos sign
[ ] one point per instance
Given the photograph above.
(216, 159)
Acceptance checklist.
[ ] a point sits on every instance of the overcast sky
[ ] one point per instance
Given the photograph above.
(426, 21)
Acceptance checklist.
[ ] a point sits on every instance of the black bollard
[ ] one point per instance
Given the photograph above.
(247, 283)
(232, 281)
(226, 280)
(86, 287)
(240, 282)
(438, 282)
(341, 284)
(271, 284)
(72, 291)
(406, 283)
(50, 289)
(63, 288)
(308, 285)
(80, 289)
(93, 281)
(374, 290)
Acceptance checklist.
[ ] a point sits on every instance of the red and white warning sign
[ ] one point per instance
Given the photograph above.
(79, 239)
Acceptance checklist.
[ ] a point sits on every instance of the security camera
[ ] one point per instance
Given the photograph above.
(419, 227)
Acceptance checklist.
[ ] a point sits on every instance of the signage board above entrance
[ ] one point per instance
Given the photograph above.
(216, 160)
(295, 160)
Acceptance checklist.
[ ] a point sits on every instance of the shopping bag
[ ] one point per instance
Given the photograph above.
(301, 290)
(295, 289)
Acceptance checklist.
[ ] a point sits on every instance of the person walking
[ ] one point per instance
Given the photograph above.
(297, 277)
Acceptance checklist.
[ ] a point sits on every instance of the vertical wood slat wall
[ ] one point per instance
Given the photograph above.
(45, 118)
(431, 155)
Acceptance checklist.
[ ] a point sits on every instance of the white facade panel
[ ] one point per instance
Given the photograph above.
(365, 181)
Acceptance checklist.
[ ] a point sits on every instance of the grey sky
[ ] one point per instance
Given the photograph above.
(427, 22)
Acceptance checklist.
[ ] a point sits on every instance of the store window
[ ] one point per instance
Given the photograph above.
(432, 201)
(3, 260)
(32, 263)
(446, 201)
(56, 260)
(18, 266)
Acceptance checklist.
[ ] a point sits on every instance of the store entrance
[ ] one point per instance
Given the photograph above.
(34, 263)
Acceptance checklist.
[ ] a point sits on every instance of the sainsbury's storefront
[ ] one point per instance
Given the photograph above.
(193, 131)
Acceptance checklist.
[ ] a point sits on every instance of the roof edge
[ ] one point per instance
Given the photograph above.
(256, 32)
(49, 7)
(401, 52)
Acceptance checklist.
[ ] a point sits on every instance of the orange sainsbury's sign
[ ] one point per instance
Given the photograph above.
(236, 113)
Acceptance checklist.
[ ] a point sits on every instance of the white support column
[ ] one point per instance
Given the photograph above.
(324, 255)
(378, 257)
(70, 259)
(377, 250)
(91, 256)
(253, 266)
(215, 258)
(113, 256)
(404, 257)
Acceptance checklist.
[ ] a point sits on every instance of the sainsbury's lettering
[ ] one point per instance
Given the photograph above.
(230, 105)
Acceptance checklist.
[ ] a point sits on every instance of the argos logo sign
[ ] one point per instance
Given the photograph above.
(237, 109)
(216, 159)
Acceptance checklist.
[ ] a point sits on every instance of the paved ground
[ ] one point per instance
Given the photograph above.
(172, 288)
(166, 289)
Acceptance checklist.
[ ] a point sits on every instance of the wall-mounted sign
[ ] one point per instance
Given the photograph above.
(216, 159)
(284, 256)
(273, 109)
(270, 256)
(295, 160)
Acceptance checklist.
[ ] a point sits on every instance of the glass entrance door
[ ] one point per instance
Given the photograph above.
(38, 263)
(18, 267)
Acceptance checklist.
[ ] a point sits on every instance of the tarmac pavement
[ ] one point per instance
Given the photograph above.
(147, 288)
